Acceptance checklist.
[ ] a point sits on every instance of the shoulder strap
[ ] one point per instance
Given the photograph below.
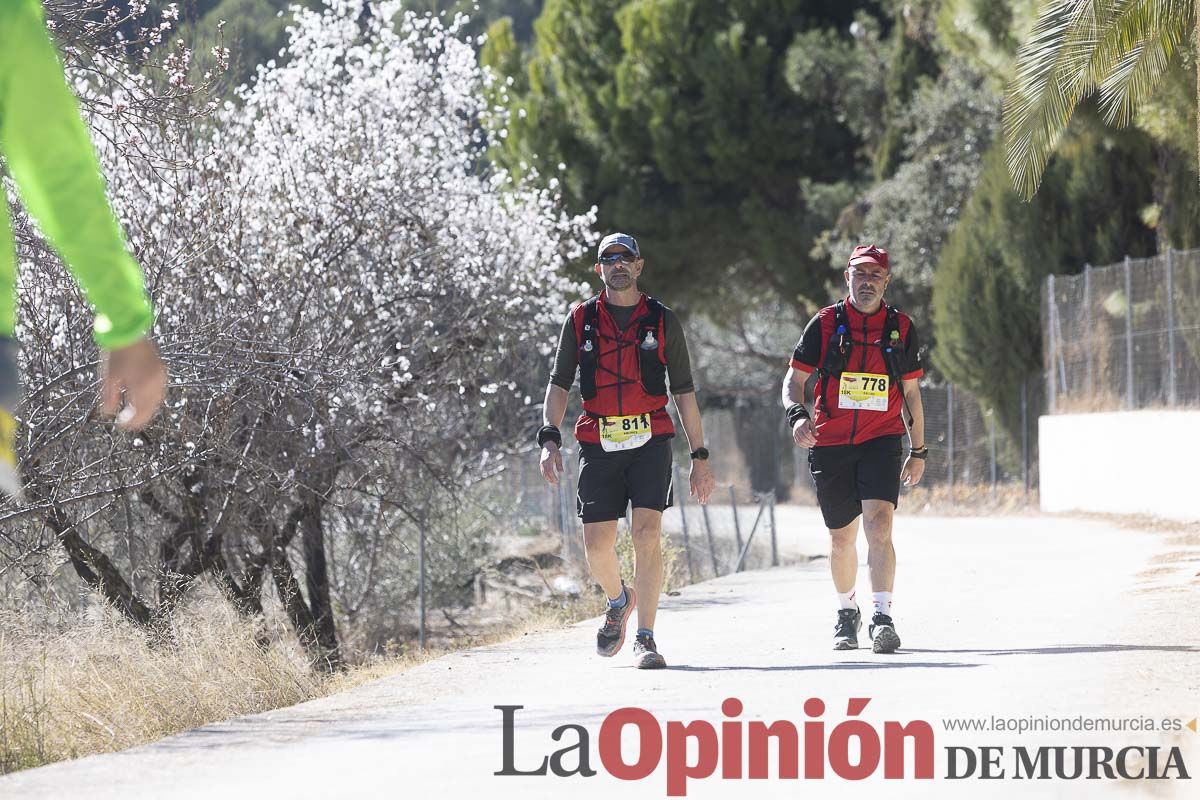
(654, 312)
(588, 342)
(892, 343)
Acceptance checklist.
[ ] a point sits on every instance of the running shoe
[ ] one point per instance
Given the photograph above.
(645, 654)
(611, 636)
(883, 634)
(845, 632)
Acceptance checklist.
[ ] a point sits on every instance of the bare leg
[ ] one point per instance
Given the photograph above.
(600, 540)
(881, 555)
(843, 556)
(648, 563)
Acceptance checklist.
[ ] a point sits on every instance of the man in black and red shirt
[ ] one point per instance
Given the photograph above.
(862, 359)
(624, 345)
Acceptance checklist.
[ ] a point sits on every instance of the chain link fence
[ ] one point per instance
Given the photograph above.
(1125, 336)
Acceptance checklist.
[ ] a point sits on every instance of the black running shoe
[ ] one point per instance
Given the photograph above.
(645, 654)
(883, 634)
(611, 636)
(845, 632)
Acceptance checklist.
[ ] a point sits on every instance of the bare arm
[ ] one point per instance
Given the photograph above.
(701, 480)
(555, 406)
(553, 410)
(914, 468)
(912, 397)
(689, 415)
(795, 384)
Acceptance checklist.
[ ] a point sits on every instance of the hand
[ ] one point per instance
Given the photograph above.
(551, 463)
(913, 469)
(804, 433)
(137, 371)
(701, 480)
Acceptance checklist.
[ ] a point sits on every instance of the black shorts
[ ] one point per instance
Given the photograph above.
(847, 474)
(609, 482)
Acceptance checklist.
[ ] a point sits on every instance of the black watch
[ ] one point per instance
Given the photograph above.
(700, 454)
(549, 433)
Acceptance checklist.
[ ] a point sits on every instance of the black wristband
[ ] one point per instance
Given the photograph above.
(549, 433)
(921, 453)
(796, 411)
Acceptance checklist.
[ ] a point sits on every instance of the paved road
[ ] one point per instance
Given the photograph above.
(1046, 617)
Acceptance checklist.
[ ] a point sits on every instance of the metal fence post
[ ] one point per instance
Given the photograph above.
(687, 545)
(712, 547)
(774, 546)
(421, 584)
(1089, 348)
(1051, 388)
(1025, 435)
(992, 442)
(737, 526)
(1128, 335)
(950, 434)
(1171, 327)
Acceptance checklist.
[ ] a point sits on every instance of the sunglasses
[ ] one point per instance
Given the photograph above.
(612, 258)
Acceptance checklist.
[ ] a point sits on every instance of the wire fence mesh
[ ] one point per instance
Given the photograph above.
(1124, 336)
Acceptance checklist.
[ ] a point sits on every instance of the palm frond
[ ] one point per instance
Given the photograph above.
(1048, 84)
(1136, 75)
(1120, 48)
(1134, 52)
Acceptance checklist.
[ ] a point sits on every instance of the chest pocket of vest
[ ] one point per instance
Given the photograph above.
(650, 364)
(589, 347)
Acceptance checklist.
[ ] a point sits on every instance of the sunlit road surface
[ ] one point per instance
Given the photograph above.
(1018, 617)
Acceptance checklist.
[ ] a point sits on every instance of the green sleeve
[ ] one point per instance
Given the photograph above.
(50, 156)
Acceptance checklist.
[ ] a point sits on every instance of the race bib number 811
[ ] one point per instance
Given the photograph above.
(624, 433)
(865, 391)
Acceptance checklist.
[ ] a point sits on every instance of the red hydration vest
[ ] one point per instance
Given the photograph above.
(621, 371)
(866, 338)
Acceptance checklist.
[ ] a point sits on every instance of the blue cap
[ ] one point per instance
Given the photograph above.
(623, 239)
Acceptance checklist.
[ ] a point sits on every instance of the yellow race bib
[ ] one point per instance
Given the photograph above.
(624, 433)
(865, 391)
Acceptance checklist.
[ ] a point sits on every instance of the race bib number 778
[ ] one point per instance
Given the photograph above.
(865, 391)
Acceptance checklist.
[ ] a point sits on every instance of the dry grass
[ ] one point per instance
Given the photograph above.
(96, 683)
(973, 500)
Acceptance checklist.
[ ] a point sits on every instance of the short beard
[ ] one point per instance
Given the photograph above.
(611, 283)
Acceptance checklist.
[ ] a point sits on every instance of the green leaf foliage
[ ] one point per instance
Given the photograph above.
(697, 125)
(987, 288)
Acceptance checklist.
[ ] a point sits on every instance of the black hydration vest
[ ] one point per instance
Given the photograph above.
(652, 372)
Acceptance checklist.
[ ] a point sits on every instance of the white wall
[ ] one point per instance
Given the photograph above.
(1125, 462)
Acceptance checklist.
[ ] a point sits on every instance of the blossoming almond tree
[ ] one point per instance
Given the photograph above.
(348, 297)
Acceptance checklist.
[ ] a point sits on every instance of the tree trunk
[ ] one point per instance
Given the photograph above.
(316, 574)
(312, 620)
(96, 569)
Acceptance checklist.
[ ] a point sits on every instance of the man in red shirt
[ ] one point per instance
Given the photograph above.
(629, 352)
(862, 358)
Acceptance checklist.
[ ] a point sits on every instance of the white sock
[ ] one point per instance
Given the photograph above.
(846, 599)
(883, 602)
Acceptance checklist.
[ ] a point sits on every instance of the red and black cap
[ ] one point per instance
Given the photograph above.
(869, 254)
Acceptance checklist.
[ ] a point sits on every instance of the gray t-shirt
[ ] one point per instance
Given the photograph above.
(679, 364)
